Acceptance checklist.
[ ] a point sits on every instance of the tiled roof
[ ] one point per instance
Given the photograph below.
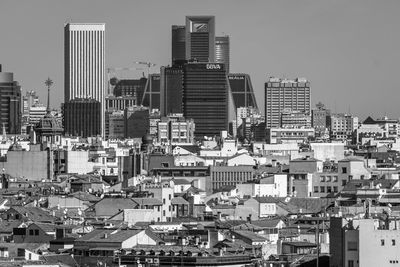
(108, 235)
(7, 227)
(299, 244)
(65, 259)
(34, 214)
(179, 201)
(46, 227)
(249, 235)
(147, 201)
(13, 247)
(270, 223)
(117, 203)
(85, 196)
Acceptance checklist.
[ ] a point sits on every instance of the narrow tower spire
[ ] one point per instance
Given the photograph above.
(48, 83)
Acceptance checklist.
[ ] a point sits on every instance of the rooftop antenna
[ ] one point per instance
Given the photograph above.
(48, 83)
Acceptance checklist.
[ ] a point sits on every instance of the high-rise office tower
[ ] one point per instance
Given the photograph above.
(151, 96)
(82, 117)
(281, 94)
(205, 97)
(222, 51)
(242, 90)
(10, 103)
(200, 38)
(321, 119)
(84, 51)
(171, 90)
(178, 43)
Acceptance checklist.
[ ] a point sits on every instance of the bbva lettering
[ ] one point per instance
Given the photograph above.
(213, 66)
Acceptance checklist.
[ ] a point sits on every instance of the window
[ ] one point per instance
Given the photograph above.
(382, 242)
(322, 178)
(165, 164)
(328, 189)
(328, 178)
(352, 246)
(322, 189)
(169, 208)
(163, 212)
(362, 177)
(335, 189)
(36, 231)
(31, 232)
(350, 263)
(344, 170)
(169, 196)
(315, 189)
(163, 201)
(344, 182)
(393, 242)
(335, 179)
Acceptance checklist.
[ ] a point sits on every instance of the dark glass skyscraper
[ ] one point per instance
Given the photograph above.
(205, 97)
(222, 51)
(151, 97)
(82, 117)
(10, 103)
(200, 38)
(178, 43)
(242, 90)
(171, 90)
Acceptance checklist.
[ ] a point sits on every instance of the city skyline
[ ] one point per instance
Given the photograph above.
(348, 51)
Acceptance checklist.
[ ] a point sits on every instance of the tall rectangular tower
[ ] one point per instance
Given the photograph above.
(178, 43)
(84, 70)
(10, 103)
(205, 97)
(200, 38)
(222, 51)
(282, 94)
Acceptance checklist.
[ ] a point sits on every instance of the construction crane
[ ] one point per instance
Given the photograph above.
(147, 64)
(112, 71)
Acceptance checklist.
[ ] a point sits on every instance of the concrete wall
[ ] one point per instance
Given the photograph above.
(132, 216)
(372, 251)
(328, 151)
(32, 165)
(78, 162)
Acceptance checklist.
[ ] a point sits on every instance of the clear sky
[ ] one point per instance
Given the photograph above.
(349, 50)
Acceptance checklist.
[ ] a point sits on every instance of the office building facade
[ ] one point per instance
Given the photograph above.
(171, 90)
(137, 122)
(84, 51)
(151, 97)
(131, 88)
(295, 119)
(320, 117)
(200, 38)
(205, 97)
(178, 43)
(82, 117)
(283, 93)
(10, 103)
(242, 90)
(222, 51)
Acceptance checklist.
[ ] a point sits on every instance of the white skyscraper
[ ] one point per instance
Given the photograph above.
(84, 70)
